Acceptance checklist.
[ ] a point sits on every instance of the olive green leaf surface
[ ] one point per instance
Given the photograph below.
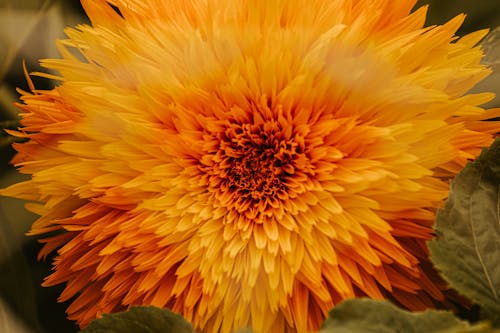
(140, 319)
(363, 315)
(467, 247)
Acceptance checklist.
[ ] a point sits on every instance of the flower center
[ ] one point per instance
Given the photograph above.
(257, 162)
(253, 166)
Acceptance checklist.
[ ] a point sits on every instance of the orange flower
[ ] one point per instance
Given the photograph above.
(249, 163)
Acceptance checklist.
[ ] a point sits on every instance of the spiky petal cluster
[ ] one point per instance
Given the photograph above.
(249, 163)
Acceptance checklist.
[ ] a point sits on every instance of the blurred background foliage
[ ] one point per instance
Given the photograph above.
(28, 29)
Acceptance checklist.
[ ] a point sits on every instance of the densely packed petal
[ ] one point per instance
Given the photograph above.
(249, 163)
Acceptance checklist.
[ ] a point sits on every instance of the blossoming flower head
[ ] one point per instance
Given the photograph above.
(249, 163)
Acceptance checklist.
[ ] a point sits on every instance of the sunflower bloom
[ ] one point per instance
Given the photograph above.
(249, 163)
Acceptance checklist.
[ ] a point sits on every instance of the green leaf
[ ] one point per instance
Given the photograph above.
(491, 47)
(18, 311)
(140, 319)
(363, 315)
(467, 248)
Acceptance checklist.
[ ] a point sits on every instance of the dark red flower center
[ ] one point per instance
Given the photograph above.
(253, 166)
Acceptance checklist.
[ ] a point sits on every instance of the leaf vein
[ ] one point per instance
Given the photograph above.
(476, 246)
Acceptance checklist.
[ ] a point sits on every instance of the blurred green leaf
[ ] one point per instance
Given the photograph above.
(491, 47)
(9, 322)
(16, 25)
(363, 315)
(481, 14)
(140, 319)
(17, 294)
(467, 247)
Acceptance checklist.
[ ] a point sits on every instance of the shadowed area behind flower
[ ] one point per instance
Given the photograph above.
(233, 136)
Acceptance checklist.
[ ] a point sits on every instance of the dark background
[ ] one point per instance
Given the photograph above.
(27, 31)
